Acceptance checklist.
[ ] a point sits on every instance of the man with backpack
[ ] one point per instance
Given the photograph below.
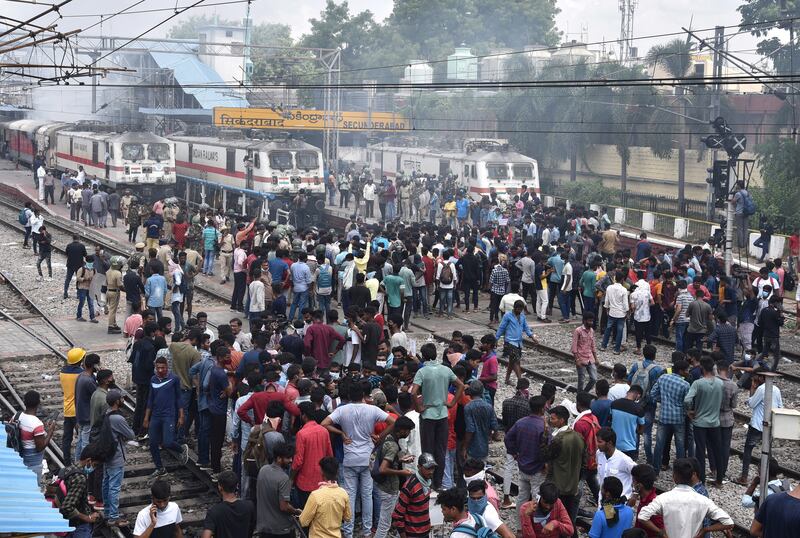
(113, 433)
(27, 434)
(744, 208)
(24, 218)
(72, 483)
(645, 374)
(323, 284)
(467, 524)
(446, 278)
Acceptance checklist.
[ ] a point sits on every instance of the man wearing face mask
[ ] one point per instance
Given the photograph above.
(114, 466)
(163, 408)
(75, 506)
(545, 516)
(411, 516)
(480, 513)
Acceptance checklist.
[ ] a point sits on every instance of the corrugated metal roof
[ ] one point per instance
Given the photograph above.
(190, 70)
(23, 508)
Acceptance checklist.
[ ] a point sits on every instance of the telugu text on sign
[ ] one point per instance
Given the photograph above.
(309, 120)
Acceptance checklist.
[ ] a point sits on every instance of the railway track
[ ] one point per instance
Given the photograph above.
(192, 487)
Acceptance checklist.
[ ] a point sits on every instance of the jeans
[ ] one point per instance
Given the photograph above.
(725, 435)
(203, 433)
(708, 438)
(446, 300)
(388, 500)
(84, 297)
(142, 393)
(177, 317)
(324, 304)
(421, 300)
(642, 332)
(83, 439)
(680, 336)
(563, 304)
(591, 369)
(344, 198)
(508, 473)
(299, 303)
(27, 236)
(216, 439)
(678, 432)
(753, 437)
(449, 479)
(162, 434)
(44, 258)
(358, 481)
(742, 229)
(70, 423)
(433, 435)
(239, 288)
(693, 340)
(35, 242)
(528, 487)
(647, 434)
(84, 530)
(49, 192)
(112, 484)
(588, 306)
(369, 207)
(494, 306)
(185, 402)
(473, 286)
(391, 210)
(33, 461)
(773, 345)
(208, 262)
(68, 279)
(619, 323)
(763, 243)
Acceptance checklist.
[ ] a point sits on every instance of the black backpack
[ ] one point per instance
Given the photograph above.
(14, 433)
(789, 282)
(105, 441)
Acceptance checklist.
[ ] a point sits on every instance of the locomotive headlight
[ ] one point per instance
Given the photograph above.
(127, 170)
(317, 180)
(274, 180)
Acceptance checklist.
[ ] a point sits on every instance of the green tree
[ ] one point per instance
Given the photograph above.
(336, 27)
(189, 27)
(755, 13)
(279, 65)
(779, 163)
(674, 56)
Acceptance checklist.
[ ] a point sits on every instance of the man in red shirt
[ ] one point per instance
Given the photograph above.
(430, 269)
(318, 339)
(313, 442)
(644, 478)
(587, 425)
(259, 402)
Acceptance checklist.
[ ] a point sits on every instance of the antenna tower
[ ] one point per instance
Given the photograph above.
(627, 9)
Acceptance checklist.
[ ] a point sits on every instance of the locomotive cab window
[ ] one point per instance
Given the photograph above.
(132, 152)
(94, 152)
(523, 171)
(280, 160)
(497, 170)
(257, 159)
(158, 152)
(307, 160)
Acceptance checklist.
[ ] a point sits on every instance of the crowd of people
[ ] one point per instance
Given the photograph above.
(315, 400)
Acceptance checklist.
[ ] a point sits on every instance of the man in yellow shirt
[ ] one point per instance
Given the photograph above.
(68, 377)
(328, 506)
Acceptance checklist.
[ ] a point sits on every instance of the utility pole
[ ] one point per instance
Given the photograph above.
(715, 112)
(766, 437)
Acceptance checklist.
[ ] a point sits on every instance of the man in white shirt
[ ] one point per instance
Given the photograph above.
(471, 513)
(683, 509)
(40, 174)
(447, 283)
(755, 429)
(162, 517)
(369, 198)
(617, 304)
(564, 293)
(613, 462)
(508, 300)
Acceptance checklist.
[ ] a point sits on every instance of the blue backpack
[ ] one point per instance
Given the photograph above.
(749, 204)
(479, 531)
(325, 278)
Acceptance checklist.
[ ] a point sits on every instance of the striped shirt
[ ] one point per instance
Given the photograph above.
(411, 514)
(684, 299)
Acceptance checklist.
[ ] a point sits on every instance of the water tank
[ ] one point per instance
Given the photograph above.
(462, 65)
(573, 52)
(418, 72)
(494, 66)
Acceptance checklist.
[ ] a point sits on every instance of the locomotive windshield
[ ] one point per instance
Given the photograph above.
(281, 160)
(523, 171)
(132, 152)
(307, 160)
(158, 152)
(497, 170)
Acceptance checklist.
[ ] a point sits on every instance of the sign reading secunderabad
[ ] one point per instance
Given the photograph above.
(308, 120)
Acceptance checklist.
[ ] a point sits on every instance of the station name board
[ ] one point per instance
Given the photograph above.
(308, 120)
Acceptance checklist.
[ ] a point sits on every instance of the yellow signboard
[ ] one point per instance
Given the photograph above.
(308, 120)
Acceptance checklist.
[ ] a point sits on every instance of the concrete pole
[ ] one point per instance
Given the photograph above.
(766, 436)
(729, 218)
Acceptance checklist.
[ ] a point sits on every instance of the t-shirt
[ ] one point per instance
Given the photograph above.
(434, 381)
(491, 519)
(392, 284)
(30, 426)
(217, 383)
(780, 515)
(490, 368)
(352, 340)
(165, 521)
(358, 421)
(390, 451)
(600, 527)
(626, 415)
(372, 336)
(273, 485)
(231, 520)
(602, 410)
(277, 269)
(85, 386)
(567, 272)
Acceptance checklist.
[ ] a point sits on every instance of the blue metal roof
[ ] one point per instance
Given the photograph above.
(23, 508)
(190, 70)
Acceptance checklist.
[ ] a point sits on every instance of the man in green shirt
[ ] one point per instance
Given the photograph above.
(394, 296)
(567, 452)
(703, 403)
(391, 471)
(433, 380)
(587, 283)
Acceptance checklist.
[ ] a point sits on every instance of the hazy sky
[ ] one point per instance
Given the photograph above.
(593, 20)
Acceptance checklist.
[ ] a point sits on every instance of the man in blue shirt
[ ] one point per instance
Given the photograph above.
(627, 421)
(512, 327)
(669, 391)
(480, 422)
(462, 208)
(163, 408)
(302, 279)
(554, 281)
(645, 374)
(155, 289)
(219, 390)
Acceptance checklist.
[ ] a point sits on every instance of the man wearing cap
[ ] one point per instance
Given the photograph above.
(411, 515)
(114, 467)
(225, 254)
(113, 286)
(68, 376)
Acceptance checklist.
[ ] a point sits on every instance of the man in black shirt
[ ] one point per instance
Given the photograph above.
(132, 282)
(143, 358)
(359, 294)
(371, 336)
(470, 275)
(233, 517)
(770, 321)
(76, 254)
